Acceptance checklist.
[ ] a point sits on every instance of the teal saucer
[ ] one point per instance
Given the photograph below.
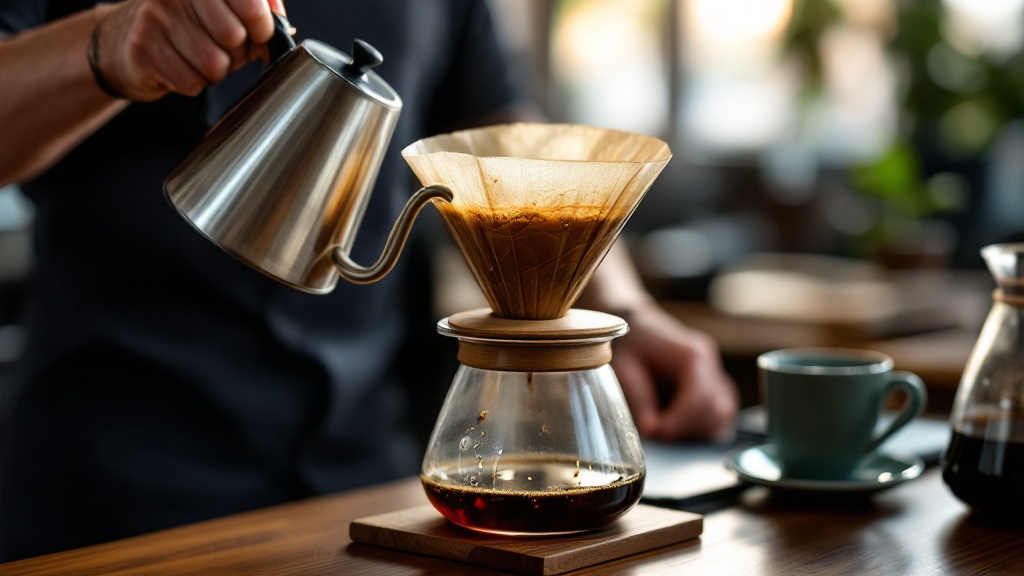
(758, 465)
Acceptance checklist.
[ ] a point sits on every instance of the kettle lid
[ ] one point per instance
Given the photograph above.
(356, 69)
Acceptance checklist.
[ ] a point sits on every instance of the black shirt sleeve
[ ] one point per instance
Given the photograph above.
(481, 79)
(18, 15)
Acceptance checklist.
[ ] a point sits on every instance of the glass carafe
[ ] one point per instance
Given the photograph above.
(984, 465)
(534, 437)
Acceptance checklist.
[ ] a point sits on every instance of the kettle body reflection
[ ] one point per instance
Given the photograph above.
(984, 464)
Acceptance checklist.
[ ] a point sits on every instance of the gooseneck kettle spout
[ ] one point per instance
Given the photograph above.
(282, 180)
(357, 274)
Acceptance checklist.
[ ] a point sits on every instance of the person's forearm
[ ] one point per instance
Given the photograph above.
(49, 101)
(616, 286)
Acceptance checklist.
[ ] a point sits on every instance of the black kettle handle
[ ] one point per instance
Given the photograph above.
(281, 42)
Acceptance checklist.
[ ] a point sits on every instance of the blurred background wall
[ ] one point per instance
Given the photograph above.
(879, 129)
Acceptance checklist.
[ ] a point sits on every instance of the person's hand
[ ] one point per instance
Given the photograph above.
(148, 48)
(673, 379)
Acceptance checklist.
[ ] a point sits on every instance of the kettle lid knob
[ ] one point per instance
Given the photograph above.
(364, 57)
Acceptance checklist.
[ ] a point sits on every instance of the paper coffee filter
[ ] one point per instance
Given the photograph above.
(537, 206)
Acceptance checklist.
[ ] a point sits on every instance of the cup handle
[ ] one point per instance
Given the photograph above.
(917, 395)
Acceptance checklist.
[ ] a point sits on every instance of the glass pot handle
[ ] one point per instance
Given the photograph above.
(917, 395)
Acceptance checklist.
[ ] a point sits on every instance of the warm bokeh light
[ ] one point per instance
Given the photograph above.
(736, 96)
(592, 36)
(741, 19)
(986, 26)
(858, 112)
(879, 14)
(606, 56)
(987, 9)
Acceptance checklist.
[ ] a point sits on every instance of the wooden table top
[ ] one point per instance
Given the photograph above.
(915, 528)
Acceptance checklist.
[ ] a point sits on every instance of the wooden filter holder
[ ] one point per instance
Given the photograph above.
(580, 340)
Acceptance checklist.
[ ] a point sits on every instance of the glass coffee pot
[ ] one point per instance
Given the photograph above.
(984, 464)
(535, 437)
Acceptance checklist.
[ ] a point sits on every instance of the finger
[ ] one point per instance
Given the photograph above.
(695, 381)
(175, 71)
(724, 401)
(683, 416)
(256, 17)
(640, 394)
(202, 53)
(702, 394)
(704, 405)
(222, 25)
(277, 7)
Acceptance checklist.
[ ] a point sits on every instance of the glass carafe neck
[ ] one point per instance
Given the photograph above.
(1006, 263)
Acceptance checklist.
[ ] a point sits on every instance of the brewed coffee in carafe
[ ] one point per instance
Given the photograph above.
(535, 437)
(984, 464)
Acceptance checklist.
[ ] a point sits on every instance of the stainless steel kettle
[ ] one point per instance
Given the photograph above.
(282, 180)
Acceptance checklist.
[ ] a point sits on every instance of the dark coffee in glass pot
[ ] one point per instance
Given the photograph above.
(984, 465)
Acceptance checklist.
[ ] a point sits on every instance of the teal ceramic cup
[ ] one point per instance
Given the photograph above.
(823, 406)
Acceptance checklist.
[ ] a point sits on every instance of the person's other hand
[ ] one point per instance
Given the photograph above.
(673, 379)
(148, 48)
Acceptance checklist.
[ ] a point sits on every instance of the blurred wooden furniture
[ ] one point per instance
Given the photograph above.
(937, 356)
(914, 528)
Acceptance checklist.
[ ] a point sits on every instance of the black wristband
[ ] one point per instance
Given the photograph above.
(92, 55)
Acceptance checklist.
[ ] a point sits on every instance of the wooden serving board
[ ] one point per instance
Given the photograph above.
(422, 530)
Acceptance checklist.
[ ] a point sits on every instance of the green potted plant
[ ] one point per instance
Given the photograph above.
(955, 95)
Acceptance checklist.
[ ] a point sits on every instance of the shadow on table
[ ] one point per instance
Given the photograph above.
(970, 544)
(391, 561)
(829, 528)
(795, 500)
(973, 521)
